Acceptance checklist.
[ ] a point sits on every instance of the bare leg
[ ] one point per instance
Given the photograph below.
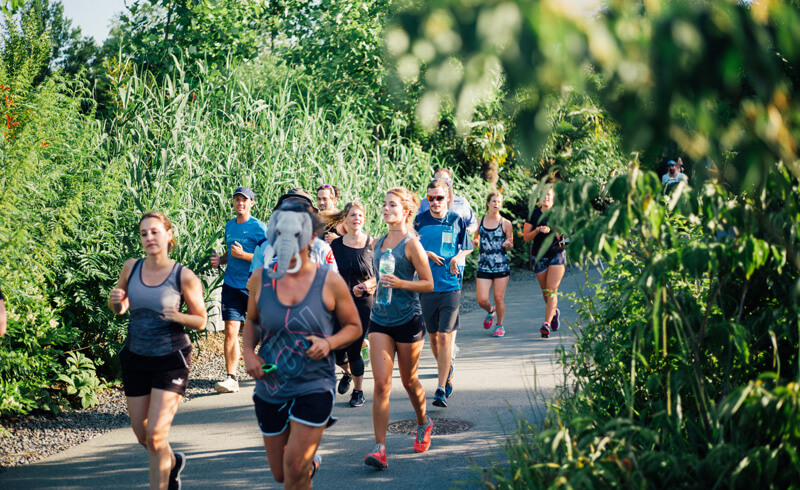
(275, 446)
(500, 286)
(163, 405)
(297, 458)
(232, 352)
(381, 353)
(482, 287)
(444, 354)
(408, 364)
(549, 281)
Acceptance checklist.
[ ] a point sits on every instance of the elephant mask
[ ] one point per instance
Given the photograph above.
(287, 232)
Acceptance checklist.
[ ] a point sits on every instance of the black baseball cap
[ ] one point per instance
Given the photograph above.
(246, 192)
(298, 194)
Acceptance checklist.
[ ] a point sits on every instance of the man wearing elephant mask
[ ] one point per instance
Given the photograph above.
(320, 251)
(290, 314)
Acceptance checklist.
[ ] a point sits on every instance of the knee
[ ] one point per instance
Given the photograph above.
(382, 389)
(156, 441)
(231, 329)
(410, 384)
(295, 470)
(484, 302)
(357, 367)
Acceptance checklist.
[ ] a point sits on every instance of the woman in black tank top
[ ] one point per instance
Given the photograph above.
(156, 384)
(354, 253)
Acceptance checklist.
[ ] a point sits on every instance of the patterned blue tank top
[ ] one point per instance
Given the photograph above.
(493, 257)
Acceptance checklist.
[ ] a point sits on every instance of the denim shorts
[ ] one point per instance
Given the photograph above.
(545, 262)
(234, 303)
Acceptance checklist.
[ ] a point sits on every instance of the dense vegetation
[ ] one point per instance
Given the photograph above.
(685, 372)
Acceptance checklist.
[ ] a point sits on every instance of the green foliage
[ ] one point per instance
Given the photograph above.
(81, 379)
(694, 325)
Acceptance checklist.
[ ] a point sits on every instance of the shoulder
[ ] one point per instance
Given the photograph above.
(187, 276)
(260, 224)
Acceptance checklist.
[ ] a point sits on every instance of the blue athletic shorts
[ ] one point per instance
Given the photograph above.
(542, 265)
(234, 303)
(313, 410)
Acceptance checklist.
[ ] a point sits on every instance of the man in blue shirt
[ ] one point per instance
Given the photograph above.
(444, 236)
(242, 235)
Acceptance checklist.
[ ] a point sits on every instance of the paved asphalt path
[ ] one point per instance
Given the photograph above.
(496, 379)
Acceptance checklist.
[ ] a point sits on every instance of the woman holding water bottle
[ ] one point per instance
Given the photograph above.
(396, 326)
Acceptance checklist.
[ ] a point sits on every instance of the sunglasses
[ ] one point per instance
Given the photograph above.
(268, 368)
(325, 186)
(436, 198)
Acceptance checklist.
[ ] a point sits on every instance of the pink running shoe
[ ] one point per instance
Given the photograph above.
(487, 323)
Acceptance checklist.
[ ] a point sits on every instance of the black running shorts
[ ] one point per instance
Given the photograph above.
(140, 374)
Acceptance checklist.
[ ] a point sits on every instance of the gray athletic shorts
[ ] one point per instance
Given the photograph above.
(440, 311)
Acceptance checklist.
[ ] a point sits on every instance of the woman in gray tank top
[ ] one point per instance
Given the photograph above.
(397, 328)
(157, 353)
(290, 315)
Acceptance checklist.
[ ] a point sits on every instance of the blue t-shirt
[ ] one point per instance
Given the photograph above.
(445, 237)
(249, 234)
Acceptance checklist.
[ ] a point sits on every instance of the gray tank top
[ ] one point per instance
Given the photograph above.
(148, 333)
(404, 304)
(283, 332)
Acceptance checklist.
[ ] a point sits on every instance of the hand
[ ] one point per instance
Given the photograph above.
(237, 250)
(252, 364)
(319, 347)
(214, 260)
(330, 236)
(390, 280)
(508, 244)
(359, 290)
(475, 242)
(170, 313)
(435, 258)
(543, 229)
(117, 296)
(454, 266)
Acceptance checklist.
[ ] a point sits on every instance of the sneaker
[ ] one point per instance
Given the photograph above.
(439, 399)
(175, 473)
(545, 330)
(344, 383)
(315, 464)
(423, 440)
(228, 385)
(357, 399)
(365, 352)
(448, 385)
(499, 331)
(377, 458)
(554, 323)
(487, 322)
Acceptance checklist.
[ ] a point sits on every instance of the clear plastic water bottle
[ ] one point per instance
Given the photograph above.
(383, 296)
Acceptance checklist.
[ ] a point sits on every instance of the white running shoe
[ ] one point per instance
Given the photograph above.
(228, 385)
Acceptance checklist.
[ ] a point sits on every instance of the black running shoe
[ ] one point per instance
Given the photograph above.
(357, 399)
(344, 383)
(175, 472)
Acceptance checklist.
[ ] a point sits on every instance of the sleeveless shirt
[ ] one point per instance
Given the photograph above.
(148, 333)
(283, 343)
(355, 264)
(493, 257)
(404, 304)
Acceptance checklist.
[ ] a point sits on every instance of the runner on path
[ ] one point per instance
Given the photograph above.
(397, 328)
(242, 235)
(548, 264)
(495, 237)
(157, 353)
(446, 240)
(290, 314)
(354, 255)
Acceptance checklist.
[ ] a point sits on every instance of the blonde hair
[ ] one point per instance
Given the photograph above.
(164, 221)
(409, 200)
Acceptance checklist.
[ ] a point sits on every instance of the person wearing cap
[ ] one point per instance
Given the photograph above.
(242, 235)
(673, 176)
